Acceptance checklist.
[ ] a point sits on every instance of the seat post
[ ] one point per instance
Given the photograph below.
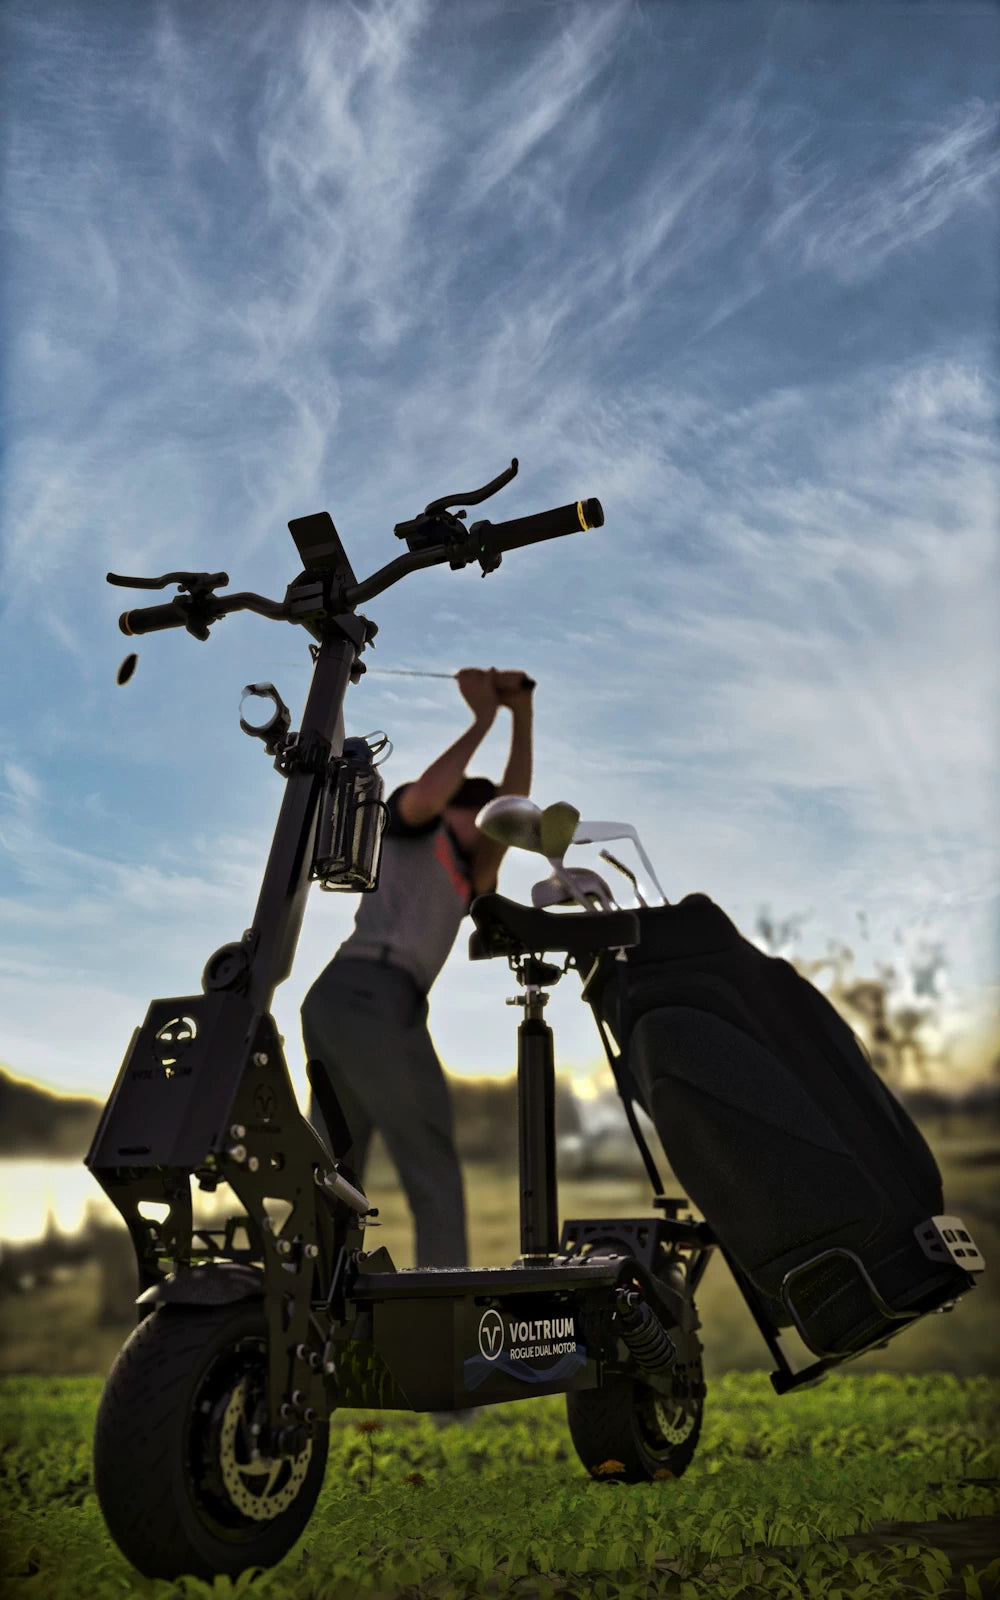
(536, 1114)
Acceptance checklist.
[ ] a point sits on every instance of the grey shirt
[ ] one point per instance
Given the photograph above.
(424, 890)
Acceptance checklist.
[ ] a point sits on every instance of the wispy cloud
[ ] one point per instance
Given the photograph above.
(952, 167)
(360, 260)
(23, 789)
(549, 92)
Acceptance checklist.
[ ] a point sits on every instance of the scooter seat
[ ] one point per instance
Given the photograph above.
(504, 928)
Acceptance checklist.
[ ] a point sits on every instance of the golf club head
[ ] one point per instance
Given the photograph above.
(557, 825)
(564, 875)
(627, 873)
(587, 884)
(512, 820)
(598, 832)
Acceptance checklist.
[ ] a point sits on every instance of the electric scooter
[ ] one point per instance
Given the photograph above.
(213, 1427)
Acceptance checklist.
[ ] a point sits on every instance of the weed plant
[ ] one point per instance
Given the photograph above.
(502, 1505)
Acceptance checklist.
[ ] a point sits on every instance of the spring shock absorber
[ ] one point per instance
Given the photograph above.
(645, 1336)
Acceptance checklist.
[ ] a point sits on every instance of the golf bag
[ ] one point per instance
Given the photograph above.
(778, 1128)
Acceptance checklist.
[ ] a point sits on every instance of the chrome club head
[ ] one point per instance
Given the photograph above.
(587, 885)
(512, 820)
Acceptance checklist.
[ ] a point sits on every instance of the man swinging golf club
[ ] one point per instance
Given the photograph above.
(365, 1017)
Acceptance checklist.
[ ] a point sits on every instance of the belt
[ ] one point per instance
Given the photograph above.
(385, 959)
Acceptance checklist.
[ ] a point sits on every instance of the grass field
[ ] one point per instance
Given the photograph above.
(875, 1485)
(884, 1480)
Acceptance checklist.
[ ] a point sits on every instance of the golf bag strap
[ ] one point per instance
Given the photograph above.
(620, 1071)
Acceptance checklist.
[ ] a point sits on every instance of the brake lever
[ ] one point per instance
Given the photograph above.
(476, 497)
(193, 582)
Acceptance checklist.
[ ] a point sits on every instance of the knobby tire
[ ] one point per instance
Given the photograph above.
(160, 1487)
(629, 1432)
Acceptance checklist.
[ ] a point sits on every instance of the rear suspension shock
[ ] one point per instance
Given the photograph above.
(643, 1333)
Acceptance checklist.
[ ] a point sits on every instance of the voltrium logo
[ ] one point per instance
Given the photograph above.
(545, 1336)
(491, 1335)
(530, 1350)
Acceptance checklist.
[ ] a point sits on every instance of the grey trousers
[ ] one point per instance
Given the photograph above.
(366, 1023)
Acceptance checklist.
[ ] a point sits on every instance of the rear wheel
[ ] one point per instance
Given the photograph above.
(174, 1466)
(629, 1432)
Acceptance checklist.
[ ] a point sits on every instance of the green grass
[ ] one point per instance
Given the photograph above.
(503, 1504)
(775, 1502)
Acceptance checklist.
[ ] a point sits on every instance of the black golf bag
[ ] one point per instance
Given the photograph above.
(806, 1167)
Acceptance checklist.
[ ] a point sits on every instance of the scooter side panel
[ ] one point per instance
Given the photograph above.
(522, 1346)
(473, 1350)
(176, 1083)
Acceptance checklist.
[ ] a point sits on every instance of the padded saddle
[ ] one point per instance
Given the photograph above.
(505, 928)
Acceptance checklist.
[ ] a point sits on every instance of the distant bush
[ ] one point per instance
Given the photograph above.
(896, 1014)
(33, 1263)
(485, 1112)
(36, 1123)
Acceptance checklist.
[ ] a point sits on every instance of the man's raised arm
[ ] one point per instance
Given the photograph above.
(429, 794)
(517, 773)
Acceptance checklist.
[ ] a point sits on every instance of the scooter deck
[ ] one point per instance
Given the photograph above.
(415, 1282)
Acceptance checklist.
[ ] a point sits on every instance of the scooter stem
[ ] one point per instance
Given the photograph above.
(277, 920)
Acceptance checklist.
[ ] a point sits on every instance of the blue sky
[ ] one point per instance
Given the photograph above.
(732, 268)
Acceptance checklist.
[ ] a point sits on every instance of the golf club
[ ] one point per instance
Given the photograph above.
(514, 820)
(598, 832)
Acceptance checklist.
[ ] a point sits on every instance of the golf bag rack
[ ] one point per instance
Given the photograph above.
(699, 1236)
(942, 1238)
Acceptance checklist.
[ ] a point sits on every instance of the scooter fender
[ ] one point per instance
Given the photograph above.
(217, 1283)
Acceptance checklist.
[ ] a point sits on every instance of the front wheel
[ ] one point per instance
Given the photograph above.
(175, 1472)
(628, 1432)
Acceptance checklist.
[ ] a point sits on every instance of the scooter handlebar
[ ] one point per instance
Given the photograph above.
(486, 542)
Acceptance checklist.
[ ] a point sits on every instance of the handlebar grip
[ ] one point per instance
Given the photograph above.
(148, 619)
(495, 537)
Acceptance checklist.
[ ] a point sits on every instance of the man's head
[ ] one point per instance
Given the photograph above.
(460, 814)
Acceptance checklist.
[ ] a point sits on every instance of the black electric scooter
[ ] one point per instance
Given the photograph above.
(212, 1431)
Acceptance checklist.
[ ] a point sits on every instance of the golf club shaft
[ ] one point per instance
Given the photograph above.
(415, 672)
(411, 672)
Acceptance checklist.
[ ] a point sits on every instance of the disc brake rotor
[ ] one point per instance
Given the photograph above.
(675, 1416)
(263, 1488)
(675, 1419)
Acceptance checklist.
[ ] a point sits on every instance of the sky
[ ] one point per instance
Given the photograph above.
(731, 268)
